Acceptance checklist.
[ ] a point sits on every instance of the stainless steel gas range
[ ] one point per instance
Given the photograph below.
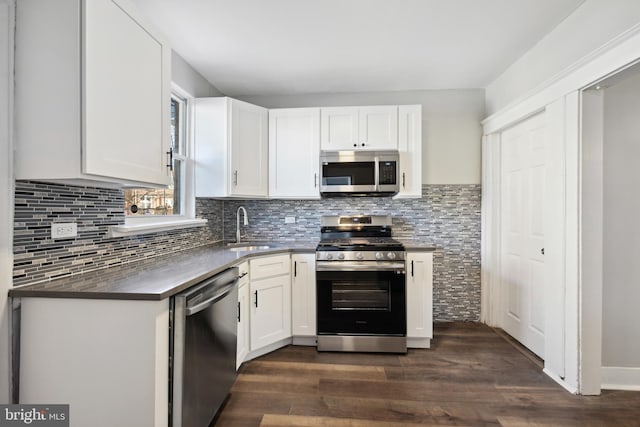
(361, 288)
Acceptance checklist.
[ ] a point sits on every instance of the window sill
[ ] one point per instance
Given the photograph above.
(153, 227)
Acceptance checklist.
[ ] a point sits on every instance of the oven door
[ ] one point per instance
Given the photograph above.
(358, 298)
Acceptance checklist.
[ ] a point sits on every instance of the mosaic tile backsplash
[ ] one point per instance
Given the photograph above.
(37, 257)
(447, 216)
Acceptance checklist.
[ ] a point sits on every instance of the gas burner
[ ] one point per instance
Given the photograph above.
(365, 244)
(362, 238)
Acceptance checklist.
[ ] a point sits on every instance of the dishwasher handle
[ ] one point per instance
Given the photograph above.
(210, 291)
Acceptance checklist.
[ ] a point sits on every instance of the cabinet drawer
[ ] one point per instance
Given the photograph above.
(269, 266)
(243, 271)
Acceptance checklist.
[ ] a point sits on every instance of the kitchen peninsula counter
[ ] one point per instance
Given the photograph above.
(155, 278)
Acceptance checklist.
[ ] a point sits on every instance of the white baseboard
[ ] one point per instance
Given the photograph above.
(418, 342)
(561, 381)
(618, 378)
(305, 341)
(268, 349)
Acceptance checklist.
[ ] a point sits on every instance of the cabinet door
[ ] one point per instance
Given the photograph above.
(249, 150)
(378, 128)
(126, 96)
(410, 148)
(243, 322)
(339, 128)
(270, 310)
(303, 295)
(419, 295)
(294, 153)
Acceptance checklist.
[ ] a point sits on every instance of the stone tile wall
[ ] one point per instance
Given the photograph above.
(447, 216)
(37, 257)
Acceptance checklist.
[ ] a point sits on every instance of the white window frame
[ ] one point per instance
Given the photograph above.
(152, 223)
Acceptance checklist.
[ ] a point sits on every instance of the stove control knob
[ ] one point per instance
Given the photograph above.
(379, 255)
(391, 255)
(341, 256)
(359, 255)
(329, 256)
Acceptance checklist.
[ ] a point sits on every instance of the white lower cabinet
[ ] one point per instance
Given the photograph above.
(107, 359)
(419, 299)
(243, 314)
(270, 298)
(303, 295)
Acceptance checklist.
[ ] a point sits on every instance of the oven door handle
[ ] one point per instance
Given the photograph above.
(359, 266)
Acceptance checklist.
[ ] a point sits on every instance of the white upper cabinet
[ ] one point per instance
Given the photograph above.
(294, 150)
(92, 94)
(378, 128)
(359, 128)
(231, 148)
(339, 128)
(410, 148)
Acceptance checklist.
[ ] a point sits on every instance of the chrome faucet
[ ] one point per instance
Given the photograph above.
(246, 221)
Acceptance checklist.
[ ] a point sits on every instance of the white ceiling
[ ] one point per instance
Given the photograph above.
(262, 47)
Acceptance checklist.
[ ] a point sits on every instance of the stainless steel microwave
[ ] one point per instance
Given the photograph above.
(364, 173)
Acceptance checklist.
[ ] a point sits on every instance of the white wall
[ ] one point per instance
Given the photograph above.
(591, 26)
(189, 79)
(451, 130)
(6, 187)
(621, 269)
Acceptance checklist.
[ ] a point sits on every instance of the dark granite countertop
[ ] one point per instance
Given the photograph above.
(417, 245)
(155, 278)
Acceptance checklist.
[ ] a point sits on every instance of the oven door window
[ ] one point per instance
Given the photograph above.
(353, 295)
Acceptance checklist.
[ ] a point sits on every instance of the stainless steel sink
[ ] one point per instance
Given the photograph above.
(248, 248)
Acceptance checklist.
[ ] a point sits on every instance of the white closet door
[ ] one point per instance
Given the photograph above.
(522, 212)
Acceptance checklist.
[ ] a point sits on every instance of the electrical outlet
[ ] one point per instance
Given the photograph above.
(289, 219)
(64, 230)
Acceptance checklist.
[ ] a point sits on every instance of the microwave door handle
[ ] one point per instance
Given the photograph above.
(376, 173)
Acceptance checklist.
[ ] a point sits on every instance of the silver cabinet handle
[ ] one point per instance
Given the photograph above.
(315, 180)
(235, 178)
(403, 180)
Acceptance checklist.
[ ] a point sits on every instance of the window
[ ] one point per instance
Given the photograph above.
(165, 201)
(154, 209)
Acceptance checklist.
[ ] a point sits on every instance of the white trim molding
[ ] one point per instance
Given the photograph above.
(571, 389)
(617, 54)
(165, 224)
(490, 285)
(7, 183)
(620, 378)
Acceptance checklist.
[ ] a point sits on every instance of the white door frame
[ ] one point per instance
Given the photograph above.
(7, 20)
(493, 301)
(582, 346)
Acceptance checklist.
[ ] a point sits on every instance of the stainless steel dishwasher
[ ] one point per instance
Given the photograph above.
(203, 339)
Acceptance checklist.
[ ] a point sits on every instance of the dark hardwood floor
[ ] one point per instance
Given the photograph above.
(472, 376)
